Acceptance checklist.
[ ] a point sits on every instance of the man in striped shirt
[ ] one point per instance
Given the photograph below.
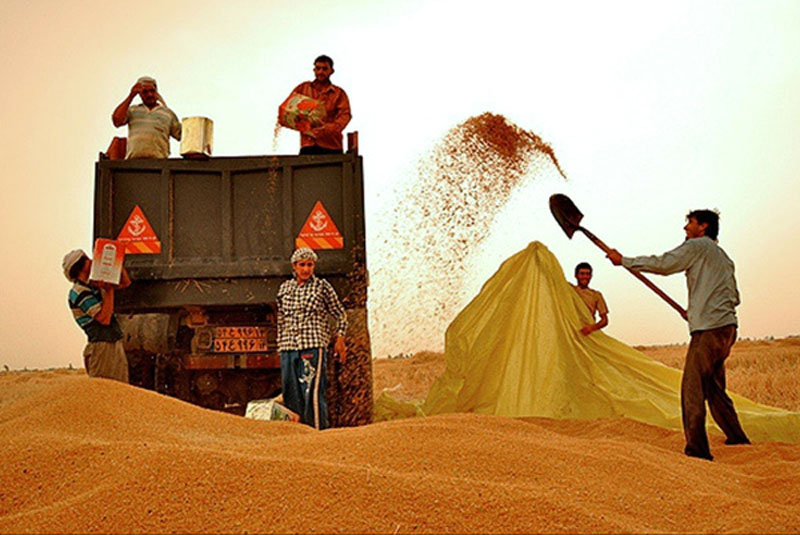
(713, 298)
(149, 124)
(92, 305)
(304, 305)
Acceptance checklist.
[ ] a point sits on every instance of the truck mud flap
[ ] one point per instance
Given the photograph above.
(349, 392)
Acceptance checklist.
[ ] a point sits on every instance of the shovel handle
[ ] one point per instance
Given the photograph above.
(597, 241)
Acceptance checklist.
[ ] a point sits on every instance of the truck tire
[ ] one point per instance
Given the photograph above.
(141, 370)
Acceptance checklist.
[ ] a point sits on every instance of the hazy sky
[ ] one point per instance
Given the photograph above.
(653, 108)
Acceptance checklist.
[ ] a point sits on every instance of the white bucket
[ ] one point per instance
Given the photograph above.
(197, 137)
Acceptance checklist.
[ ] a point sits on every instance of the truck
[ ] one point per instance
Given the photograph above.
(208, 243)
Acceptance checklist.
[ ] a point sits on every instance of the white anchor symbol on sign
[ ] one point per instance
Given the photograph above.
(136, 225)
(319, 221)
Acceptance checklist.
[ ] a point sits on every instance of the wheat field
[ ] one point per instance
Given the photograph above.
(765, 371)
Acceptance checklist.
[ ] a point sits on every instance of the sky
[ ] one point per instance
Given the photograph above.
(653, 109)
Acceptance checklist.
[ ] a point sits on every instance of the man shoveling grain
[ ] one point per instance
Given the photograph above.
(713, 297)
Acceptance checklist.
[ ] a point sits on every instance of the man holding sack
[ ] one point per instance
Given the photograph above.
(319, 110)
(92, 306)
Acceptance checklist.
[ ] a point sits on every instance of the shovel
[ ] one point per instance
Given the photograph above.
(569, 218)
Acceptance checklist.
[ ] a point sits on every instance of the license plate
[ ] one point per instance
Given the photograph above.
(240, 339)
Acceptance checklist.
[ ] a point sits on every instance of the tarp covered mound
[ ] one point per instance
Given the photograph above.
(516, 351)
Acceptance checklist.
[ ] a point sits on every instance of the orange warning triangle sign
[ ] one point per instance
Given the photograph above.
(319, 224)
(138, 236)
(319, 231)
(137, 228)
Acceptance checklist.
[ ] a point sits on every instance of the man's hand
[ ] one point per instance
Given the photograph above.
(615, 257)
(124, 280)
(340, 349)
(135, 90)
(119, 116)
(315, 132)
(586, 330)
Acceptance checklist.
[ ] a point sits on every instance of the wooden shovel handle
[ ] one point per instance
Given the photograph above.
(597, 241)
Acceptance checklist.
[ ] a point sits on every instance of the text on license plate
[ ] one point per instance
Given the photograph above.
(240, 339)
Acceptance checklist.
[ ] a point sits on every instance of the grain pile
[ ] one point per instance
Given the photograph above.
(440, 221)
(91, 455)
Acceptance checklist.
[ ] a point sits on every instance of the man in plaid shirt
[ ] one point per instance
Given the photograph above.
(304, 304)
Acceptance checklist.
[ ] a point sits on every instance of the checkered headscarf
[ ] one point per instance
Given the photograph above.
(304, 253)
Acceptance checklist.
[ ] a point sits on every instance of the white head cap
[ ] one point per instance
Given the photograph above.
(147, 80)
(70, 259)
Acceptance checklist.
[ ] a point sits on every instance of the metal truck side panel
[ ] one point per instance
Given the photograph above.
(227, 225)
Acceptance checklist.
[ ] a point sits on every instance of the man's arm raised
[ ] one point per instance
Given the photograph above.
(120, 115)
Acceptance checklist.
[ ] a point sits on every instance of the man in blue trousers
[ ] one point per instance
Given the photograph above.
(304, 305)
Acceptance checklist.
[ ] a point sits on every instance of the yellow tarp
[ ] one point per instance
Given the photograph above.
(515, 351)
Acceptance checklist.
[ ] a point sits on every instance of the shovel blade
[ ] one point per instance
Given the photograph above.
(566, 213)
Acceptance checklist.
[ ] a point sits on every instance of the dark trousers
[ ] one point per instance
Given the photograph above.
(303, 380)
(315, 149)
(704, 380)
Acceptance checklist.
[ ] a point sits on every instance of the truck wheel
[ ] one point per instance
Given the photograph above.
(349, 392)
(141, 370)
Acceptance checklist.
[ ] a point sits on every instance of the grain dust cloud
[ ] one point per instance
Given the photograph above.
(419, 266)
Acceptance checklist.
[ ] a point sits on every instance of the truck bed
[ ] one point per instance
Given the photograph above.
(226, 227)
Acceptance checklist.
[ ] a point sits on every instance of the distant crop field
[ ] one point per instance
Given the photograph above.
(765, 371)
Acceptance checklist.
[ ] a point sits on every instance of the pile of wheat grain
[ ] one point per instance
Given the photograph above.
(80, 455)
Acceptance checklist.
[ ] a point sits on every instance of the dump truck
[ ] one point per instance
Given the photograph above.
(208, 243)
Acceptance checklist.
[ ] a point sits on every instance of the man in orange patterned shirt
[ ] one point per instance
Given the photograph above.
(326, 138)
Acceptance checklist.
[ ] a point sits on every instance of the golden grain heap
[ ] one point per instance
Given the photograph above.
(81, 455)
(440, 220)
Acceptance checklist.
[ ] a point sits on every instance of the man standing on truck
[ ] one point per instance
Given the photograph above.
(149, 124)
(92, 305)
(326, 138)
(593, 299)
(713, 298)
(304, 305)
